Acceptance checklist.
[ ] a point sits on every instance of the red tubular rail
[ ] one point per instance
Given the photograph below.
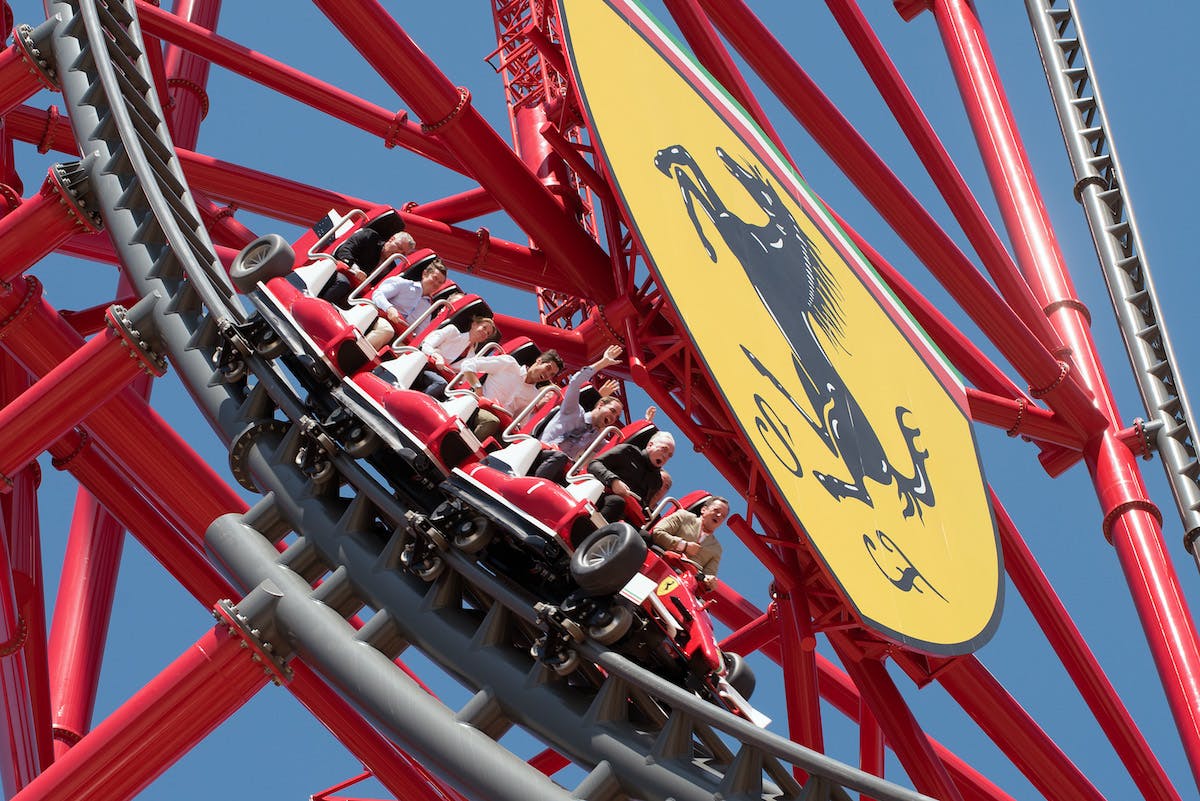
(1131, 521)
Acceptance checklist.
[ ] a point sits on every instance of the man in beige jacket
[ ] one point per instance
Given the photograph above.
(694, 536)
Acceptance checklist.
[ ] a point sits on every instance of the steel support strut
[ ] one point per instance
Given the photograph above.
(1131, 521)
(155, 727)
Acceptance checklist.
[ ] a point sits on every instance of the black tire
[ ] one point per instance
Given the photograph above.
(265, 258)
(620, 621)
(608, 558)
(739, 675)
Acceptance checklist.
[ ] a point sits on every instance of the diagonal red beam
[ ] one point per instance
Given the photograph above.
(150, 731)
(82, 382)
(1028, 349)
(1015, 733)
(162, 462)
(447, 113)
(185, 561)
(910, 744)
(1068, 643)
(837, 688)
(35, 227)
(941, 168)
(393, 127)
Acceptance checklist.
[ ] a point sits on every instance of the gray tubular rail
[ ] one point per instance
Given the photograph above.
(638, 735)
(1099, 188)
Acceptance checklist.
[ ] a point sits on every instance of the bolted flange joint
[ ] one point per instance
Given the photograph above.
(72, 182)
(34, 45)
(253, 622)
(138, 328)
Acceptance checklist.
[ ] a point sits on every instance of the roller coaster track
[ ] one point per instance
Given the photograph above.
(344, 532)
(1099, 183)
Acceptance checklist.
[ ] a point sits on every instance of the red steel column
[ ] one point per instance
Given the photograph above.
(19, 761)
(155, 727)
(82, 610)
(20, 514)
(77, 386)
(187, 74)
(1131, 521)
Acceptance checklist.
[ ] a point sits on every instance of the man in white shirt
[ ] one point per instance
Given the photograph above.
(400, 301)
(508, 383)
(447, 346)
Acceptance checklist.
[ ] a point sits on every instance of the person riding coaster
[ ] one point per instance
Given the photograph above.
(591, 578)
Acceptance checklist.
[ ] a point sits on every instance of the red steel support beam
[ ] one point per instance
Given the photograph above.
(187, 73)
(150, 731)
(19, 758)
(871, 745)
(937, 161)
(1015, 733)
(1131, 521)
(67, 394)
(447, 113)
(1029, 349)
(82, 610)
(185, 561)
(21, 74)
(910, 744)
(1068, 644)
(160, 459)
(37, 226)
(393, 127)
(23, 528)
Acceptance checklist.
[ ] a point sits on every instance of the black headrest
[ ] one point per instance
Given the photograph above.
(387, 224)
(523, 350)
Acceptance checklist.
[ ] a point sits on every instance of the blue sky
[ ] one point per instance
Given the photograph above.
(272, 749)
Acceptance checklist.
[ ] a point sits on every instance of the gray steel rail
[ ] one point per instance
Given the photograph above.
(638, 735)
(1099, 188)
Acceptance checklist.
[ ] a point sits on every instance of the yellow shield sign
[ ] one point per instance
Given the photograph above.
(857, 419)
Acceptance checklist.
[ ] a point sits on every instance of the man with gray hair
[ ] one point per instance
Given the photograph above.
(633, 473)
